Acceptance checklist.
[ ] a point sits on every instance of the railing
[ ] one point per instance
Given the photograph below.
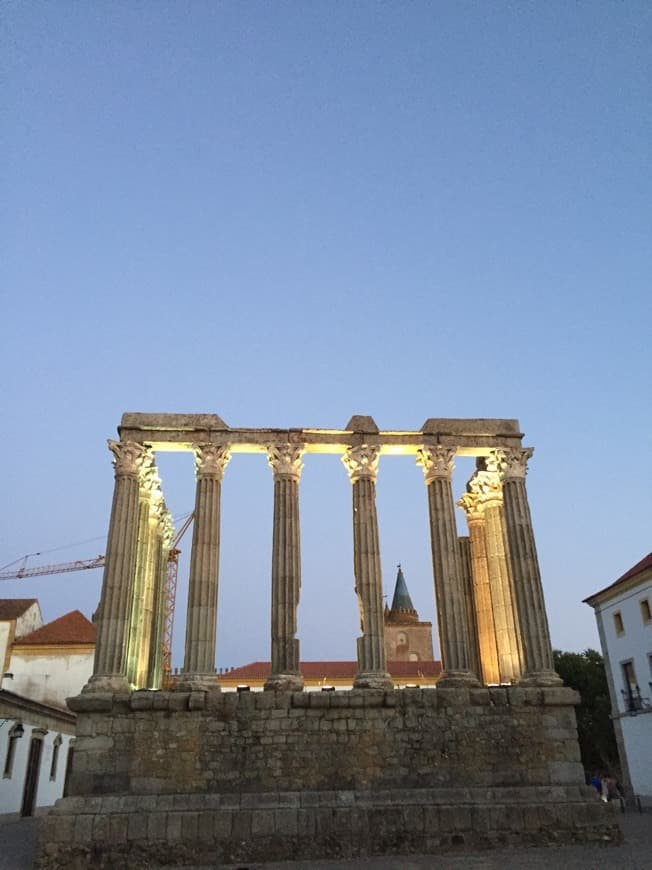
(634, 701)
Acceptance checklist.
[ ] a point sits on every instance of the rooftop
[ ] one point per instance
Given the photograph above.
(634, 571)
(71, 628)
(334, 670)
(12, 608)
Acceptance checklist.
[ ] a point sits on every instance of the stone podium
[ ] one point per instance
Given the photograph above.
(194, 775)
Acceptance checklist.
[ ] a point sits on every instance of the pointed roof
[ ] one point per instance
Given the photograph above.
(401, 599)
(12, 608)
(71, 628)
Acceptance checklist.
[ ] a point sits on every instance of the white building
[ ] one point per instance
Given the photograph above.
(44, 665)
(623, 612)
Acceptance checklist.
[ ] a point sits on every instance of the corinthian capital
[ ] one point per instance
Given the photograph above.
(211, 460)
(436, 461)
(487, 487)
(361, 462)
(129, 457)
(285, 460)
(511, 462)
(470, 504)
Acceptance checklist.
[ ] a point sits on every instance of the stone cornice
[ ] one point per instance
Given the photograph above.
(169, 432)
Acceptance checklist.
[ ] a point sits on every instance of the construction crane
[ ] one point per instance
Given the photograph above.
(23, 572)
(39, 570)
(171, 597)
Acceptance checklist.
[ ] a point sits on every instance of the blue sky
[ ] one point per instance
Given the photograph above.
(288, 213)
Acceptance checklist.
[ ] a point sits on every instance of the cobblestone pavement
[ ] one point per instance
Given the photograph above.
(17, 839)
(634, 854)
(17, 849)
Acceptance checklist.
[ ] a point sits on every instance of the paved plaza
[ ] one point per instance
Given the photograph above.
(17, 849)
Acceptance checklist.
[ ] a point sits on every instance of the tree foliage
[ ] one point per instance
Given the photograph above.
(586, 673)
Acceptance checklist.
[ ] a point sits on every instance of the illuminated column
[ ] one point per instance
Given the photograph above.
(481, 590)
(285, 461)
(537, 661)
(486, 484)
(164, 538)
(148, 508)
(437, 465)
(201, 621)
(110, 665)
(361, 464)
(464, 544)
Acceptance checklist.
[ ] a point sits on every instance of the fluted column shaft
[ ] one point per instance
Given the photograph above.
(362, 466)
(437, 462)
(109, 668)
(201, 620)
(537, 662)
(164, 535)
(285, 461)
(487, 485)
(148, 504)
(475, 666)
(482, 590)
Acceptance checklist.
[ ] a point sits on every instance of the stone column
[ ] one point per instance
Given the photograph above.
(437, 462)
(110, 665)
(285, 461)
(201, 621)
(164, 538)
(361, 464)
(490, 671)
(486, 485)
(537, 662)
(150, 499)
(464, 543)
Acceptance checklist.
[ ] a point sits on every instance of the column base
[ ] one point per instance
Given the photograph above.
(458, 680)
(113, 684)
(197, 683)
(541, 678)
(284, 683)
(373, 680)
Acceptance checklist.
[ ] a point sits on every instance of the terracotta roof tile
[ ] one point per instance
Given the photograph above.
(334, 670)
(638, 568)
(73, 627)
(12, 608)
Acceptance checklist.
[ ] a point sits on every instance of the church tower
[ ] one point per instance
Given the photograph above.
(406, 638)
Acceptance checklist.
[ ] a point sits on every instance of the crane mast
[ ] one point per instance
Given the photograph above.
(171, 575)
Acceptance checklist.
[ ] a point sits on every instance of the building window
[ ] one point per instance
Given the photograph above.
(646, 613)
(55, 757)
(631, 693)
(14, 736)
(619, 624)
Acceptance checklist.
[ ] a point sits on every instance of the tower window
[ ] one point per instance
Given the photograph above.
(646, 613)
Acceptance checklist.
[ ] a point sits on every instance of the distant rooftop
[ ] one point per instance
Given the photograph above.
(12, 608)
(71, 628)
(638, 568)
(333, 670)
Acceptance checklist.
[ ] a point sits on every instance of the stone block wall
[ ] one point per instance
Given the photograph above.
(209, 777)
(205, 742)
